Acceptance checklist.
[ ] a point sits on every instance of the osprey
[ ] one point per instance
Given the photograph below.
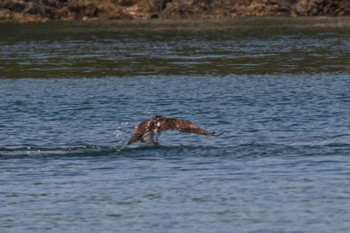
(148, 131)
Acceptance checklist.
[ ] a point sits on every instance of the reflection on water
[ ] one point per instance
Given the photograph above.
(229, 47)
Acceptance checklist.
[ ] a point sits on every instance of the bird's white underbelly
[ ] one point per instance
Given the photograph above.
(150, 139)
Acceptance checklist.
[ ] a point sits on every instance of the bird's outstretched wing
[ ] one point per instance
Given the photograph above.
(182, 126)
(139, 131)
(160, 123)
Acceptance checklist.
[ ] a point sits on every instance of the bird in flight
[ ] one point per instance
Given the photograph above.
(148, 131)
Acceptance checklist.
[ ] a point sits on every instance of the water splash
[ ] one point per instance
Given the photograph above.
(120, 134)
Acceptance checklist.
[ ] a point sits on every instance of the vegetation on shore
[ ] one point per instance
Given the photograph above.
(25, 11)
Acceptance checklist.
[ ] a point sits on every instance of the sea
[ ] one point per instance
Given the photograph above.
(276, 89)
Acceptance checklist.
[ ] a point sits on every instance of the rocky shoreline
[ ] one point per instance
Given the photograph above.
(33, 11)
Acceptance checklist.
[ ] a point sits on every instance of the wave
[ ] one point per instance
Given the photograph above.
(238, 150)
(102, 150)
(36, 151)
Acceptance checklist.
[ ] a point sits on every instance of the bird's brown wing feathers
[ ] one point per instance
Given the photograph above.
(182, 126)
(139, 131)
(164, 124)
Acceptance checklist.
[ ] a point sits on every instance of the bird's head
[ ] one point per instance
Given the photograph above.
(158, 116)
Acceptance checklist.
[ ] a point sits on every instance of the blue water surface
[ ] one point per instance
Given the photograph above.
(282, 164)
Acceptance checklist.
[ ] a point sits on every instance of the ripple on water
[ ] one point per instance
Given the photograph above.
(70, 99)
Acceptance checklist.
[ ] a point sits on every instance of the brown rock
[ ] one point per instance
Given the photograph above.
(44, 10)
